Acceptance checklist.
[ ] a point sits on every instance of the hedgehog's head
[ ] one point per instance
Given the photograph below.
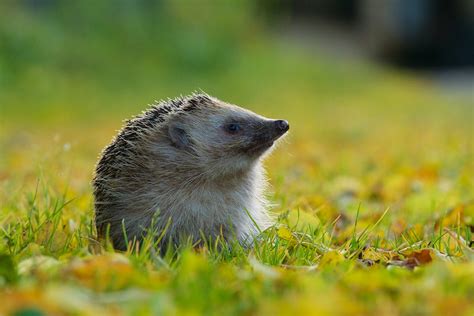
(224, 137)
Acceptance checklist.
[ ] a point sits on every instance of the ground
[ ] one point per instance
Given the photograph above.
(373, 188)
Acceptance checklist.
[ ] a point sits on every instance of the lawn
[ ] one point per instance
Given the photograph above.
(373, 187)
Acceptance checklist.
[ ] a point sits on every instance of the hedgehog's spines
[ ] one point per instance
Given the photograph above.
(159, 112)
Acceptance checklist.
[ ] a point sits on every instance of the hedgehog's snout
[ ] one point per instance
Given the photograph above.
(281, 126)
(278, 128)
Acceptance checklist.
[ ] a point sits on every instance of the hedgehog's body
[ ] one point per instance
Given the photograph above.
(186, 168)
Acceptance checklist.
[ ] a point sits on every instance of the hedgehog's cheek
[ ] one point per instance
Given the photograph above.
(258, 144)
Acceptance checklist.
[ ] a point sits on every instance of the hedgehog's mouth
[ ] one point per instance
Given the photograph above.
(265, 145)
(258, 150)
(258, 146)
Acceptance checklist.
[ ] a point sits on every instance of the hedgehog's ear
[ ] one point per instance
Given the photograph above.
(178, 135)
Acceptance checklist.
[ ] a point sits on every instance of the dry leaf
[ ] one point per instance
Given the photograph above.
(414, 258)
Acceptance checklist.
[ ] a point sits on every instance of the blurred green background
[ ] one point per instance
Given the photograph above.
(63, 60)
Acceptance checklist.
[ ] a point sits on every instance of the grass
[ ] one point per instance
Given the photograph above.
(373, 189)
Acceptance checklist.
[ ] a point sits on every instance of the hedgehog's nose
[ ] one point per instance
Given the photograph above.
(282, 125)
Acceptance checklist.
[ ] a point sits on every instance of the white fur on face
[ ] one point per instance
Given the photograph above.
(215, 147)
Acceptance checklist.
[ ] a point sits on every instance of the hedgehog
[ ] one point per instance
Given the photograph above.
(188, 168)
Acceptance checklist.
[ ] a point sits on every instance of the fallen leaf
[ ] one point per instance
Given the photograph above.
(111, 271)
(376, 255)
(284, 233)
(38, 265)
(414, 258)
(300, 220)
(331, 258)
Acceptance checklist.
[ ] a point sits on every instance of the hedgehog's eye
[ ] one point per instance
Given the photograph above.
(233, 128)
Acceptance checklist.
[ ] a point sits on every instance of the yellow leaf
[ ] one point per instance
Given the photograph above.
(331, 258)
(38, 265)
(301, 220)
(111, 271)
(374, 255)
(284, 233)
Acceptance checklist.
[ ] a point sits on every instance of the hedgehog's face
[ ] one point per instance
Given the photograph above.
(227, 137)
